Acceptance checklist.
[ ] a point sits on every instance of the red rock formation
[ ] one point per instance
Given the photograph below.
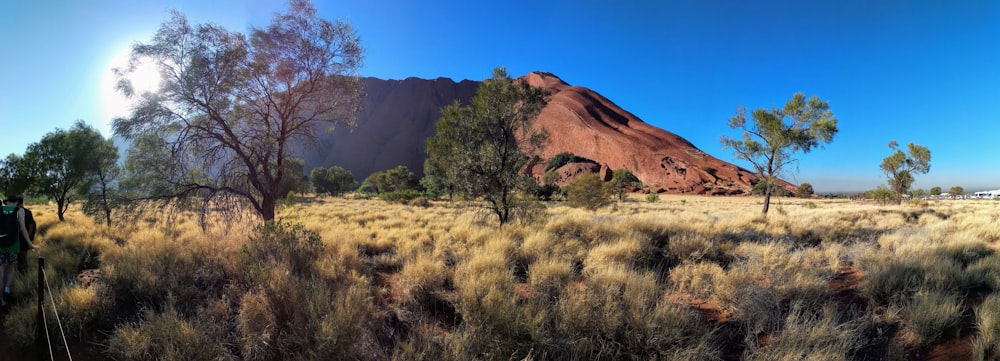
(586, 124)
(399, 116)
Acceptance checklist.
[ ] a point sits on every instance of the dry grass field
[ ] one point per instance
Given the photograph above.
(680, 278)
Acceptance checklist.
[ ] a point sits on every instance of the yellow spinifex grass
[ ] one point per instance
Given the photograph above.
(394, 281)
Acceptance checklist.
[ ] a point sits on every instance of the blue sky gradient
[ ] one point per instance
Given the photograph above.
(915, 71)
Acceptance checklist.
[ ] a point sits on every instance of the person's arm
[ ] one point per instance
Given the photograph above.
(24, 230)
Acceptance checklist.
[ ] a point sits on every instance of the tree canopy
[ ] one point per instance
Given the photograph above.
(772, 137)
(900, 166)
(230, 105)
(481, 148)
(65, 162)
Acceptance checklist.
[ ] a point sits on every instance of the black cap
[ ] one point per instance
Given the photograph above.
(15, 198)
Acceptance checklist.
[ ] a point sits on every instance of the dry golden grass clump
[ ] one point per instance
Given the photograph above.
(681, 278)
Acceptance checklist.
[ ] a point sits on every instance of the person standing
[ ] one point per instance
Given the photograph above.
(29, 223)
(8, 254)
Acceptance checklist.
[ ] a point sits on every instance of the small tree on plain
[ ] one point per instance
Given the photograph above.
(900, 166)
(883, 195)
(773, 136)
(956, 191)
(935, 191)
(484, 146)
(621, 178)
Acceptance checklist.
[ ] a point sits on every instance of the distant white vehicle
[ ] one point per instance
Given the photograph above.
(987, 194)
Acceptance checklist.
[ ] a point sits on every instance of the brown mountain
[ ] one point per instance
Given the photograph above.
(399, 116)
(583, 122)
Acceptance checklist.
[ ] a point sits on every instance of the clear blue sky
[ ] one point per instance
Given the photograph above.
(916, 71)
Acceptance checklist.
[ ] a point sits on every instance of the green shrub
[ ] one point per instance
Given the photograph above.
(561, 159)
(652, 197)
(333, 180)
(392, 180)
(804, 190)
(279, 242)
(589, 192)
(403, 196)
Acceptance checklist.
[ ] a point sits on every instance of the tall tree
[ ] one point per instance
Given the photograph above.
(66, 161)
(100, 189)
(900, 166)
(935, 191)
(774, 136)
(956, 191)
(231, 105)
(484, 146)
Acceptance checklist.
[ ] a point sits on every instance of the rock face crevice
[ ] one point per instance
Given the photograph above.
(399, 116)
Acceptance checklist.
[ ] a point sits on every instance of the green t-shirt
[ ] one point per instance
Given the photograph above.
(16, 247)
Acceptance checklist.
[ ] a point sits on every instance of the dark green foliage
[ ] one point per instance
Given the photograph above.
(17, 174)
(295, 179)
(760, 188)
(804, 190)
(333, 180)
(711, 171)
(935, 191)
(769, 141)
(562, 159)
(956, 191)
(435, 180)
(392, 180)
(481, 149)
(66, 163)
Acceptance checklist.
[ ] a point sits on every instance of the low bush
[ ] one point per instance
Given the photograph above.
(165, 336)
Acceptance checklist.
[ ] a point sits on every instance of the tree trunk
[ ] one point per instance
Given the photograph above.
(61, 209)
(267, 208)
(767, 197)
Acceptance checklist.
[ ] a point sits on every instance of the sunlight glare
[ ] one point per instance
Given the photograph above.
(145, 78)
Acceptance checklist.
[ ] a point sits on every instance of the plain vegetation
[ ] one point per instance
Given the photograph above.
(678, 277)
